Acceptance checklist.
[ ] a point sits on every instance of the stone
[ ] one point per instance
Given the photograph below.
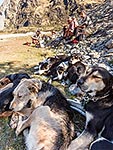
(110, 50)
(109, 44)
(1, 21)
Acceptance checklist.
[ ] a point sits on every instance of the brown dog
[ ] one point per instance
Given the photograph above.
(97, 84)
(51, 123)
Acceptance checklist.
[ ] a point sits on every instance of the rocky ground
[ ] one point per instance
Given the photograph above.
(97, 47)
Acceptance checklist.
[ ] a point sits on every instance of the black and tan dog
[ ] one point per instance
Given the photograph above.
(51, 62)
(74, 71)
(51, 123)
(97, 83)
(7, 86)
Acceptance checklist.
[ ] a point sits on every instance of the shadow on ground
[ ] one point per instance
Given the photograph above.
(11, 67)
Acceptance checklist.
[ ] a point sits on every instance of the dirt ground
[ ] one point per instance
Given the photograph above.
(15, 56)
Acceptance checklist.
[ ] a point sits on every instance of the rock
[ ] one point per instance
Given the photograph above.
(24, 13)
(109, 44)
(110, 50)
(105, 66)
(1, 21)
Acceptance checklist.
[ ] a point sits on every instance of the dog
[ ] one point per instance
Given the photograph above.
(4, 81)
(97, 84)
(74, 71)
(58, 71)
(51, 123)
(51, 62)
(48, 66)
(6, 91)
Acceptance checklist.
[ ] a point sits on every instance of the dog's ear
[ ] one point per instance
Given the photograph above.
(23, 79)
(81, 68)
(112, 81)
(36, 86)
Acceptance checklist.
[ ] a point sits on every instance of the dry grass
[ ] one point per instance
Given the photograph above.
(90, 1)
(14, 56)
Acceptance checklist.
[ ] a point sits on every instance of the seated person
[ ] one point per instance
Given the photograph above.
(35, 38)
(86, 22)
(70, 29)
(75, 25)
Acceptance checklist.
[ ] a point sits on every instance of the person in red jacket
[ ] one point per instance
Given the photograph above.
(70, 29)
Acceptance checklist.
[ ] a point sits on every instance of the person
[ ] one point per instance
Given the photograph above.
(35, 38)
(75, 25)
(86, 23)
(70, 29)
(85, 19)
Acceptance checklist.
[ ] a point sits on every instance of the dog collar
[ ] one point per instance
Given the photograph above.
(85, 100)
(88, 98)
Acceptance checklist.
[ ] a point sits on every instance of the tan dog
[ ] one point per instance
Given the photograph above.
(44, 130)
(24, 92)
(4, 81)
(51, 123)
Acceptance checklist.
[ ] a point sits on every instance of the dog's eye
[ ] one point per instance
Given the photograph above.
(19, 96)
(1, 83)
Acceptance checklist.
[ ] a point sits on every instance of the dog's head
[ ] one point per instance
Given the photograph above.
(97, 80)
(75, 58)
(80, 68)
(45, 65)
(60, 70)
(43, 68)
(75, 71)
(4, 81)
(26, 90)
(19, 76)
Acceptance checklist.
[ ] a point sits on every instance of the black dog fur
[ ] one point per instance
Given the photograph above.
(6, 96)
(99, 109)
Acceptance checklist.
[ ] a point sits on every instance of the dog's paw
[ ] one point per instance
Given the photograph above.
(19, 126)
(14, 120)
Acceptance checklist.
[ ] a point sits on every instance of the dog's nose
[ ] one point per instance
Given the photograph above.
(12, 105)
(80, 81)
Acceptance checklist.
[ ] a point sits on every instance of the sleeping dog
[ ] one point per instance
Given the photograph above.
(59, 70)
(49, 65)
(51, 123)
(8, 84)
(44, 66)
(74, 71)
(97, 84)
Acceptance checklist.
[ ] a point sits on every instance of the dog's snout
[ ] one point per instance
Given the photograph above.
(12, 105)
